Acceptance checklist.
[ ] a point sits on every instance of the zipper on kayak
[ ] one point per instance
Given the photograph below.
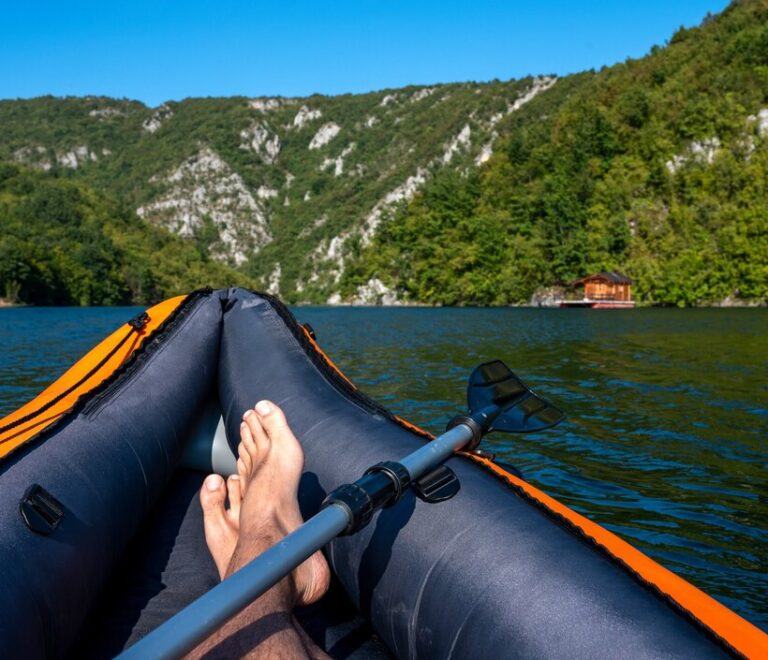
(99, 401)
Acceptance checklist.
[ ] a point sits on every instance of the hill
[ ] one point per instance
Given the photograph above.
(282, 189)
(467, 193)
(656, 167)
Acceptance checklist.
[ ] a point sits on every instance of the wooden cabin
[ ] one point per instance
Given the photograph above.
(603, 290)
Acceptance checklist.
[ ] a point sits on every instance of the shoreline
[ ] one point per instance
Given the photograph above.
(5, 304)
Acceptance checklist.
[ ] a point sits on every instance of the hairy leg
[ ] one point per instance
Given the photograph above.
(264, 497)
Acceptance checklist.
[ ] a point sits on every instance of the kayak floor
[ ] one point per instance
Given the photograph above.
(168, 566)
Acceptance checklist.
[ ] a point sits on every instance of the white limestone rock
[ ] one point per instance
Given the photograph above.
(107, 112)
(700, 151)
(760, 120)
(403, 192)
(265, 104)
(305, 115)
(324, 135)
(371, 121)
(265, 192)
(33, 155)
(422, 94)
(375, 292)
(273, 287)
(316, 224)
(75, 157)
(162, 114)
(458, 143)
(338, 162)
(205, 187)
(485, 153)
(540, 84)
(389, 99)
(259, 139)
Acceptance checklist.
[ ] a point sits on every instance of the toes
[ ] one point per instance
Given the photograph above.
(276, 427)
(245, 458)
(272, 418)
(212, 496)
(258, 442)
(235, 496)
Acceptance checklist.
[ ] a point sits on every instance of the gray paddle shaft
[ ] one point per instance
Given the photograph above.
(198, 621)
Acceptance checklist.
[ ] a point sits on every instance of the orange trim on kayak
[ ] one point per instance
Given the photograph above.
(328, 360)
(19, 433)
(736, 631)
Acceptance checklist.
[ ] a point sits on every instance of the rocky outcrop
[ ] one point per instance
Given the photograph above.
(262, 141)
(324, 135)
(157, 119)
(547, 297)
(204, 192)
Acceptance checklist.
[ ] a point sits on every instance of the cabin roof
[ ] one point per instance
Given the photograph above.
(607, 276)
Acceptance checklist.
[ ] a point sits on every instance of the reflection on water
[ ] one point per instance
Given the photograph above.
(666, 439)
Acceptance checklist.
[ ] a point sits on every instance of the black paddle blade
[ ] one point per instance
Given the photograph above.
(522, 410)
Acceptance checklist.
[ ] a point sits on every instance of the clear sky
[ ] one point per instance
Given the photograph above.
(160, 49)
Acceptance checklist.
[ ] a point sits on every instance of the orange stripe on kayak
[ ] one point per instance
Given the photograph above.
(17, 435)
(328, 360)
(736, 631)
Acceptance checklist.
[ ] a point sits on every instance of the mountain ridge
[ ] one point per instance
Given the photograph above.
(458, 193)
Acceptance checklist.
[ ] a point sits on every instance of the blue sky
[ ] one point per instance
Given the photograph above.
(159, 50)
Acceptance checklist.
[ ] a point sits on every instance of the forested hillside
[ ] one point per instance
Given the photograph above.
(470, 193)
(64, 244)
(282, 189)
(656, 167)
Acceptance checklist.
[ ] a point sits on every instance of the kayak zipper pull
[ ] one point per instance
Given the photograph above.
(139, 321)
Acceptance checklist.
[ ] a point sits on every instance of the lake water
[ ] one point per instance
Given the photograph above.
(666, 440)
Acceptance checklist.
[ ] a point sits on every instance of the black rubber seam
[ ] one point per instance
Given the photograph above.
(328, 371)
(147, 346)
(320, 362)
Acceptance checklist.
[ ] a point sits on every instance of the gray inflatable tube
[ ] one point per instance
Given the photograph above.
(489, 572)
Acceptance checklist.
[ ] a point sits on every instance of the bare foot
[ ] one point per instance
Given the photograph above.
(270, 463)
(221, 525)
(264, 494)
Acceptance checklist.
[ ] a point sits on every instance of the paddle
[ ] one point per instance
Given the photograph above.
(498, 401)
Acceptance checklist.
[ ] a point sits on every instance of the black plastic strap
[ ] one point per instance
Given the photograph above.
(71, 388)
(399, 475)
(40, 510)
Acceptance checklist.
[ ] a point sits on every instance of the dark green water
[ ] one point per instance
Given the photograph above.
(666, 440)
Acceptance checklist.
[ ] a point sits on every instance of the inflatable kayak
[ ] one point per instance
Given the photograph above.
(101, 536)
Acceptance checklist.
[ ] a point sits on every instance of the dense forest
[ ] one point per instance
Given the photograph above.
(656, 167)
(64, 244)
(466, 193)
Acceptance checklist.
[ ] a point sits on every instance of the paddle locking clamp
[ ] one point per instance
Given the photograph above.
(381, 486)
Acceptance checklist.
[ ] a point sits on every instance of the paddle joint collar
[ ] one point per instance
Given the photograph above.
(382, 485)
(477, 430)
